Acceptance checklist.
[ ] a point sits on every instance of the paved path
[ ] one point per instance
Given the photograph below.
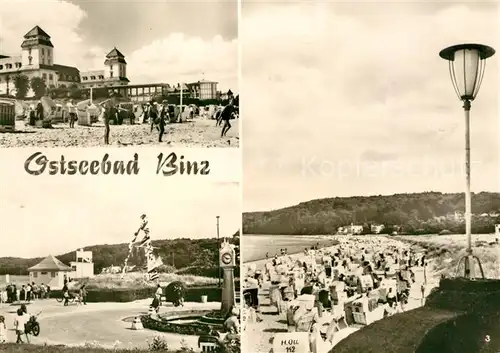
(100, 323)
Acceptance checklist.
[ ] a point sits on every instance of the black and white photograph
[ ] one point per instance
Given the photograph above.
(112, 265)
(371, 176)
(77, 73)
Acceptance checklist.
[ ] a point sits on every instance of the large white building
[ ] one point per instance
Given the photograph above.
(83, 267)
(37, 60)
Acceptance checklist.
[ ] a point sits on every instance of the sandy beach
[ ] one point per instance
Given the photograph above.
(196, 133)
(259, 335)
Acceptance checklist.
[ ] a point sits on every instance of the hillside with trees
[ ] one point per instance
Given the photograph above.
(189, 256)
(420, 213)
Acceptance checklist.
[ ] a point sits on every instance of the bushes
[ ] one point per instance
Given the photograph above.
(123, 295)
(205, 271)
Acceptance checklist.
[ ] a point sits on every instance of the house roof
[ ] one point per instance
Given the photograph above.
(115, 53)
(67, 71)
(36, 31)
(50, 263)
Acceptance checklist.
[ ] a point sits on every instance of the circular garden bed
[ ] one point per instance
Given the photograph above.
(190, 322)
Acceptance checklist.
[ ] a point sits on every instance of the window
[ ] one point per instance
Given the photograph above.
(35, 274)
(111, 74)
(1, 67)
(51, 77)
(30, 59)
(8, 66)
(43, 51)
(43, 273)
(53, 274)
(92, 77)
(29, 51)
(44, 76)
(101, 77)
(84, 78)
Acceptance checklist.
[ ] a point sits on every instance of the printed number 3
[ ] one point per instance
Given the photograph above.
(487, 338)
(290, 349)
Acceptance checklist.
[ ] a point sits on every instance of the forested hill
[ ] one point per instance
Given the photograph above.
(420, 213)
(179, 253)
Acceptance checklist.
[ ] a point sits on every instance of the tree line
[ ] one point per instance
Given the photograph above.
(176, 254)
(419, 213)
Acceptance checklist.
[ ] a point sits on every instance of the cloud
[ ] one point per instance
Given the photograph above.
(329, 81)
(177, 58)
(171, 58)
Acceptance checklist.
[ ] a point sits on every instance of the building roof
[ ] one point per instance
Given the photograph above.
(66, 70)
(35, 32)
(115, 53)
(36, 36)
(50, 263)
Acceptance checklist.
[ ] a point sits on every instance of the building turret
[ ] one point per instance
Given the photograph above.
(115, 68)
(37, 49)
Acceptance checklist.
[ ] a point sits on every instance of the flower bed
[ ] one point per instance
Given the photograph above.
(192, 328)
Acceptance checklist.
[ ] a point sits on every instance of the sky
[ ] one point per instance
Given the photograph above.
(55, 215)
(352, 99)
(163, 41)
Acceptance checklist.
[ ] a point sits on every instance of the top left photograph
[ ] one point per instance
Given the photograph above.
(79, 73)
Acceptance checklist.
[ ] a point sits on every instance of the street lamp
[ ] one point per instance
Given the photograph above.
(218, 247)
(467, 64)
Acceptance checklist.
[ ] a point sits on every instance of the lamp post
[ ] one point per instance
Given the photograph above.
(467, 64)
(218, 254)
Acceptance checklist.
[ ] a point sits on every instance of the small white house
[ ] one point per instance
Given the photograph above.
(83, 267)
(50, 271)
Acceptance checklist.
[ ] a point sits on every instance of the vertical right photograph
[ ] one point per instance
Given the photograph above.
(371, 177)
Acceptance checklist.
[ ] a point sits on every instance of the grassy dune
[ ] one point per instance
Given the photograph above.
(447, 250)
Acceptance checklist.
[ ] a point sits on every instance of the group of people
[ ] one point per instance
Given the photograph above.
(27, 292)
(357, 281)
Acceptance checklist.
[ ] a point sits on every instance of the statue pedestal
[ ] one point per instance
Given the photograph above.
(228, 292)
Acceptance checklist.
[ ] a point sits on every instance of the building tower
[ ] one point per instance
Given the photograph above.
(115, 68)
(37, 50)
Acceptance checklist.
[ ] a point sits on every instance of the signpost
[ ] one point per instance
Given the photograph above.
(291, 342)
(227, 262)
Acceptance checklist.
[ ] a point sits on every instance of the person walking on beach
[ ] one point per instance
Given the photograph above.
(110, 112)
(72, 113)
(161, 125)
(153, 116)
(225, 116)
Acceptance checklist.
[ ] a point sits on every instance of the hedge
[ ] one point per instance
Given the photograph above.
(122, 295)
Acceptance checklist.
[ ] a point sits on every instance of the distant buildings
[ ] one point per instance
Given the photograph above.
(351, 229)
(50, 271)
(377, 228)
(83, 267)
(37, 60)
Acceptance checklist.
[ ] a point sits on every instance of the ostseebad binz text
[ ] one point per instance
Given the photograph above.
(169, 165)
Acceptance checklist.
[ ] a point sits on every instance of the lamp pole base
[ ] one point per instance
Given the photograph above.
(469, 268)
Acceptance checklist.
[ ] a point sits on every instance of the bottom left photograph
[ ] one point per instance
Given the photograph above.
(92, 264)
